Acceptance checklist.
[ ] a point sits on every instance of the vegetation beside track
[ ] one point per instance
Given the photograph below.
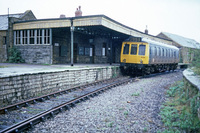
(179, 112)
(195, 64)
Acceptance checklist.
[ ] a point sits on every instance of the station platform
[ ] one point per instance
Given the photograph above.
(14, 69)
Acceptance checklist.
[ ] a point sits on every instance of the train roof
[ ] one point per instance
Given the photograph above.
(159, 43)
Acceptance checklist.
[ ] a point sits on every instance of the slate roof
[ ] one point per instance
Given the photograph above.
(183, 41)
(4, 20)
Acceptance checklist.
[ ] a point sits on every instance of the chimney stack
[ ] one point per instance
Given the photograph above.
(78, 12)
(146, 31)
(62, 16)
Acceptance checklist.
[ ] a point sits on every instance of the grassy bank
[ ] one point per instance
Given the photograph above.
(179, 113)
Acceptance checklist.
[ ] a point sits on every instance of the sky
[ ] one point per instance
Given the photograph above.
(181, 17)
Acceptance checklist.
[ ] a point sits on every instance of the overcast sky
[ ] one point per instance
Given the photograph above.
(181, 17)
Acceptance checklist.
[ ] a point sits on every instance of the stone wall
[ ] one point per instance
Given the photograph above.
(37, 54)
(17, 88)
(3, 53)
(3, 50)
(192, 89)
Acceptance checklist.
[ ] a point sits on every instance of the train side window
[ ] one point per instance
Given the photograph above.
(142, 49)
(151, 51)
(175, 54)
(133, 49)
(126, 49)
(167, 52)
(160, 52)
(155, 51)
(163, 52)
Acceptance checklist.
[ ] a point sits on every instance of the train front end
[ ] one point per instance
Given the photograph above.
(134, 56)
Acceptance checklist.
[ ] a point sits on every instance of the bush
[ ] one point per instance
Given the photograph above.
(196, 61)
(15, 56)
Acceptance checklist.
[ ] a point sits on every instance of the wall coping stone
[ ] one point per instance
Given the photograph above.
(192, 78)
(13, 70)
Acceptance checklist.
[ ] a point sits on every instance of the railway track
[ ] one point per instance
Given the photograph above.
(24, 115)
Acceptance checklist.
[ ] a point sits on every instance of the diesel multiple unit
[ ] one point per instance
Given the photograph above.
(145, 56)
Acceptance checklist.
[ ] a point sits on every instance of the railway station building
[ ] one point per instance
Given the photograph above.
(184, 44)
(79, 39)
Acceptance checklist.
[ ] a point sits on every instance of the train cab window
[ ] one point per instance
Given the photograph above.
(133, 49)
(126, 49)
(142, 49)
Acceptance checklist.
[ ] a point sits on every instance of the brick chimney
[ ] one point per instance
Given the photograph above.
(62, 16)
(146, 31)
(78, 12)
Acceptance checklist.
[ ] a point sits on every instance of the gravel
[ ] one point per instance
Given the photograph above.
(129, 108)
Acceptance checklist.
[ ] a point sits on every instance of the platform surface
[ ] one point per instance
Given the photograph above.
(12, 69)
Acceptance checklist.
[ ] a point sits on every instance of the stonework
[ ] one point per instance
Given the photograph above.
(8, 32)
(17, 88)
(192, 87)
(3, 50)
(36, 54)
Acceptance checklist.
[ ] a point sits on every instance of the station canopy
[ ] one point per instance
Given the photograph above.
(100, 25)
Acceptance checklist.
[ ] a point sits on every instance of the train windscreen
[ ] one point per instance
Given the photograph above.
(142, 49)
(126, 49)
(133, 49)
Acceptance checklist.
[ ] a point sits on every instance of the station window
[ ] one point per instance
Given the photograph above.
(46, 36)
(133, 49)
(39, 36)
(126, 49)
(17, 37)
(32, 36)
(104, 49)
(4, 40)
(142, 49)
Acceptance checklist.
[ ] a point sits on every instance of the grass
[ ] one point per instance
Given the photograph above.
(125, 113)
(135, 94)
(110, 124)
(3, 66)
(179, 113)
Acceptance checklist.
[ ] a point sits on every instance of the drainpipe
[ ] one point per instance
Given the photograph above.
(72, 42)
(8, 37)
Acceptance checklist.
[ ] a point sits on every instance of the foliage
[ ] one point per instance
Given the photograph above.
(15, 56)
(179, 113)
(196, 60)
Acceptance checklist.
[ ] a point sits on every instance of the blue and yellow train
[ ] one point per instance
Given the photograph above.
(145, 56)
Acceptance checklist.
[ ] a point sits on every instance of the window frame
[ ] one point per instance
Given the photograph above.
(33, 36)
(134, 49)
(126, 52)
(142, 50)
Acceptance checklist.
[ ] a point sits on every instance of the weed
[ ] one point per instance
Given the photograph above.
(121, 108)
(135, 94)
(125, 113)
(15, 56)
(179, 113)
(110, 124)
(3, 66)
(145, 129)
